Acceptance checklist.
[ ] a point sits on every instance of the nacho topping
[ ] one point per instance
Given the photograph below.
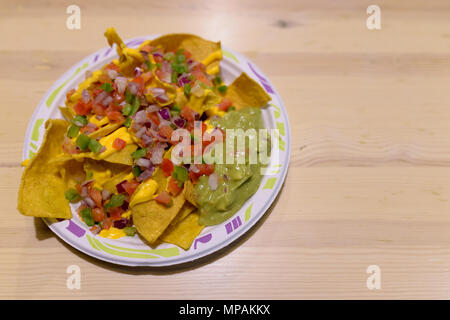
(112, 158)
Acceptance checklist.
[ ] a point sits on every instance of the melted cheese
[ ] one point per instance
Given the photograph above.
(144, 192)
(98, 123)
(112, 233)
(108, 141)
(216, 55)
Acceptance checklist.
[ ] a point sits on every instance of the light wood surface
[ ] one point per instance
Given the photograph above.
(369, 179)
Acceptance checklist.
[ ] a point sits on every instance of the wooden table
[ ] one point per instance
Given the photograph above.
(369, 178)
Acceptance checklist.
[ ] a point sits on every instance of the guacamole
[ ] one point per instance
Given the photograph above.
(237, 182)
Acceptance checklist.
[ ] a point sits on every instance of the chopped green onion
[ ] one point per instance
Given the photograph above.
(139, 153)
(115, 201)
(176, 108)
(129, 231)
(148, 64)
(95, 146)
(232, 108)
(127, 122)
(83, 141)
(218, 80)
(180, 58)
(106, 86)
(89, 175)
(135, 107)
(187, 89)
(128, 97)
(126, 110)
(86, 215)
(180, 173)
(169, 56)
(174, 77)
(73, 131)
(136, 171)
(222, 89)
(72, 195)
(80, 121)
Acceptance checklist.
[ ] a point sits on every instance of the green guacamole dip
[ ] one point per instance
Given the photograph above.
(237, 182)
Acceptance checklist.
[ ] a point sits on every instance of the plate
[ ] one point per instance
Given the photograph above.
(132, 251)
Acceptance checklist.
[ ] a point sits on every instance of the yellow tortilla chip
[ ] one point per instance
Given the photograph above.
(117, 178)
(183, 233)
(189, 192)
(68, 113)
(151, 218)
(246, 92)
(42, 187)
(205, 51)
(184, 212)
(104, 131)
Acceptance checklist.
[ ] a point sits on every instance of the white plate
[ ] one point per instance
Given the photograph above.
(131, 250)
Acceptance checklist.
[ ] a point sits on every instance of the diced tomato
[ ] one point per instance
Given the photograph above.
(115, 116)
(163, 198)
(205, 168)
(173, 187)
(107, 223)
(167, 167)
(130, 186)
(78, 187)
(118, 97)
(119, 144)
(98, 214)
(225, 104)
(95, 195)
(154, 117)
(166, 132)
(187, 113)
(115, 213)
(141, 84)
(112, 66)
(82, 108)
(193, 176)
(99, 110)
(104, 78)
(70, 93)
(201, 76)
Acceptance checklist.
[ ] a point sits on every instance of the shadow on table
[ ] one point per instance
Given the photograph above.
(43, 232)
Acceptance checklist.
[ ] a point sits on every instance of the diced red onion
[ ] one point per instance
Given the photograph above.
(146, 174)
(163, 98)
(121, 83)
(164, 113)
(119, 186)
(134, 87)
(140, 117)
(146, 140)
(84, 192)
(100, 97)
(157, 153)
(105, 194)
(152, 108)
(166, 67)
(213, 181)
(89, 202)
(157, 91)
(183, 79)
(179, 122)
(120, 224)
(112, 73)
(143, 162)
(137, 72)
(158, 54)
(192, 65)
(107, 101)
(141, 132)
(85, 96)
(194, 168)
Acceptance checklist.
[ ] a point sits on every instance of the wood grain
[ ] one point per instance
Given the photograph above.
(369, 180)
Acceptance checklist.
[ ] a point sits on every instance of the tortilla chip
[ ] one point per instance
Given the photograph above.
(200, 48)
(72, 172)
(41, 192)
(119, 157)
(117, 178)
(184, 212)
(68, 113)
(189, 192)
(151, 218)
(246, 92)
(104, 131)
(183, 233)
